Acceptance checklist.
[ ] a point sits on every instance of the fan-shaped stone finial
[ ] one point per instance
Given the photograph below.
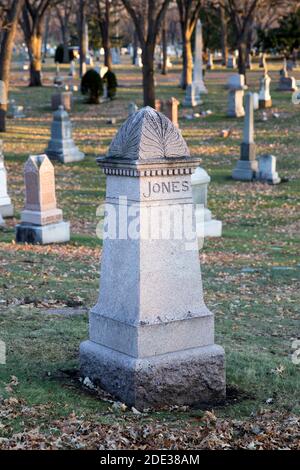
(148, 135)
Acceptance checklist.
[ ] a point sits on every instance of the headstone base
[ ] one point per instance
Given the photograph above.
(245, 170)
(43, 235)
(188, 377)
(67, 156)
(7, 210)
(263, 104)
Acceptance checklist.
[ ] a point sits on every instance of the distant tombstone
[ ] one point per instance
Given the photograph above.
(170, 109)
(115, 55)
(151, 340)
(290, 65)
(246, 167)
(198, 62)
(132, 108)
(231, 62)
(210, 61)
(267, 169)
(62, 99)
(265, 100)
(255, 101)
(15, 111)
(236, 86)
(41, 221)
(138, 61)
(206, 225)
(61, 145)
(58, 79)
(192, 96)
(6, 207)
(287, 83)
(103, 70)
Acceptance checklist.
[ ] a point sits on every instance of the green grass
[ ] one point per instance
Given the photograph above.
(256, 309)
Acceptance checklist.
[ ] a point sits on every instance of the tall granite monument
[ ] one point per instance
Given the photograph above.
(6, 207)
(151, 337)
(198, 61)
(41, 220)
(246, 167)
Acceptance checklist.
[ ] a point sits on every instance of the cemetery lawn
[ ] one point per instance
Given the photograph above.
(251, 278)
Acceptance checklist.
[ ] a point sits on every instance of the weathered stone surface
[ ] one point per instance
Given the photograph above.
(41, 220)
(210, 62)
(231, 62)
(61, 145)
(190, 377)
(6, 207)
(150, 328)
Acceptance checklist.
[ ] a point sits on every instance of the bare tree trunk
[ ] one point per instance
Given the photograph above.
(6, 53)
(65, 38)
(164, 69)
(242, 58)
(35, 55)
(187, 62)
(82, 37)
(148, 75)
(224, 36)
(106, 37)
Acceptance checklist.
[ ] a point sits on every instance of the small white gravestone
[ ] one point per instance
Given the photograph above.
(151, 337)
(198, 61)
(61, 145)
(6, 207)
(263, 61)
(41, 221)
(58, 79)
(267, 169)
(265, 100)
(206, 225)
(255, 101)
(236, 86)
(72, 72)
(63, 98)
(192, 96)
(246, 167)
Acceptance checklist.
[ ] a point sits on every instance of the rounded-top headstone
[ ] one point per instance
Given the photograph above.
(148, 135)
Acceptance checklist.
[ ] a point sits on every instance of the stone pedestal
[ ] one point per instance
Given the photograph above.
(61, 145)
(151, 336)
(6, 207)
(267, 169)
(41, 220)
(246, 167)
(264, 96)
(206, 225)
(62, 99)
(192, 97)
